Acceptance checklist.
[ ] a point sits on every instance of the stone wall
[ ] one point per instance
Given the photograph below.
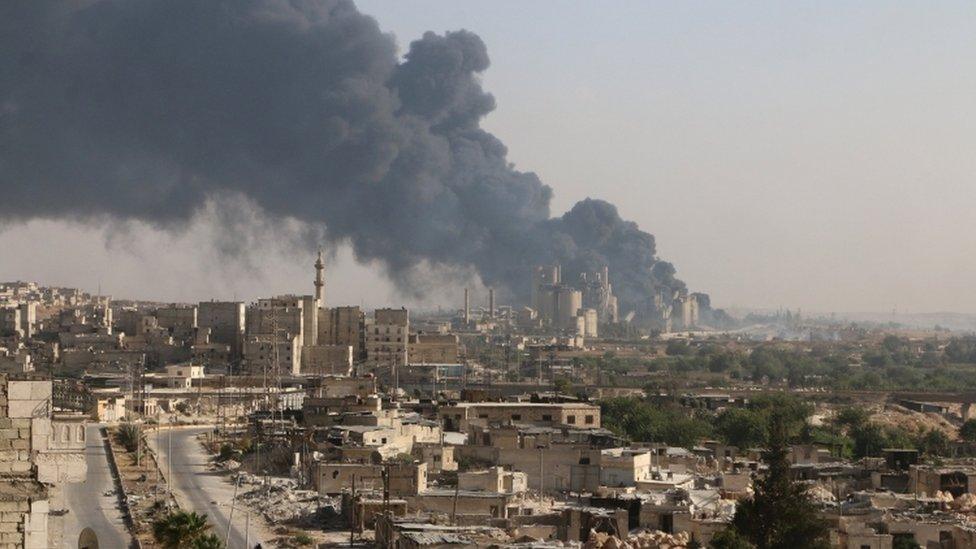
(25, 407)
(15, 424)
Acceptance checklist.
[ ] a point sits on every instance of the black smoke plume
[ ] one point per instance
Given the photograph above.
(148, 109)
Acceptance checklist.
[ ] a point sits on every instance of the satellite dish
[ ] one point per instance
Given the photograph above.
(87, 539)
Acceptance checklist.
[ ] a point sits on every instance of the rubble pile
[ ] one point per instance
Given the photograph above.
(280, 501)
(821, 494)
(965, 503)
(646, 539)
(893, 415)
(944, 497)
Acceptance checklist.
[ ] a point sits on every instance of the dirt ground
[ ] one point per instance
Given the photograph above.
(894, 415)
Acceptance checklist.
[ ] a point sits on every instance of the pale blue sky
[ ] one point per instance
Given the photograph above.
(816, 155)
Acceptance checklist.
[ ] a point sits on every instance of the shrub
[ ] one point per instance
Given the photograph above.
(129, 436)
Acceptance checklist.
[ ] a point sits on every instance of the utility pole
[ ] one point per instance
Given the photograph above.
(247, 529)
(169, 456)
(396, 376)
(352, 514)
(169, 459)
(230, 518)
(457, 488)
(275, 365)
(386, 488)
(141, 407)
(542, 478)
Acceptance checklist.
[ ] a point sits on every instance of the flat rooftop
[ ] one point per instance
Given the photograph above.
(521, 405)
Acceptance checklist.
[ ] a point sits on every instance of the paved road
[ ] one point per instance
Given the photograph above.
(86, 502)
(196, 487)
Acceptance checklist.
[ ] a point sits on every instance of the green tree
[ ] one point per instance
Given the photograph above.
(227, 451)
(563, 385)
(852, 417)
(905, 542)
(729, 539)
(793, 410)
(780, 513)
(184, 529)
(643, 421)
(723, 362)
(402, 458)
(746, 427)
(741, 427)
(676, 347)
(896, 437)
(766, 362)
(934, 442)
(968, 430)
(869, 440)
(893, 343)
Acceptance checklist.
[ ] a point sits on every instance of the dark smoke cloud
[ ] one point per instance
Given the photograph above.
(148, 109)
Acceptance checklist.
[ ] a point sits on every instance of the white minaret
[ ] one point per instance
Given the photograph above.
(319, 279)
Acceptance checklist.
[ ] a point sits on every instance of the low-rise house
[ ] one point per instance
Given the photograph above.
(665, 480)
(336, 478)
(459, 416)
(438, 457)
(927, 480)
(182, 376)
(624, 467)
(494, 479)
(109, 408)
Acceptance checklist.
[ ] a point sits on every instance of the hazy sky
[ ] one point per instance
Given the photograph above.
(814, 155)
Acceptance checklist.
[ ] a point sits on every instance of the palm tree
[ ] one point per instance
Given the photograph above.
(129, 435)
(209, 541)
(184, 529)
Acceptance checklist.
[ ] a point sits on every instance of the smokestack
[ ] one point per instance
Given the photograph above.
(467, 310)
(491, 303)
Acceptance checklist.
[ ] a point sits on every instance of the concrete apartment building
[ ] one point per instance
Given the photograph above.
(387, 338)
(434, 349)
(10, 324)
(225, 320)
(18, 319)
(179, 321)
(260, 354)
(277, 322)
(284, 313)
(327, 360)
(458, 416)
(342, 326)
